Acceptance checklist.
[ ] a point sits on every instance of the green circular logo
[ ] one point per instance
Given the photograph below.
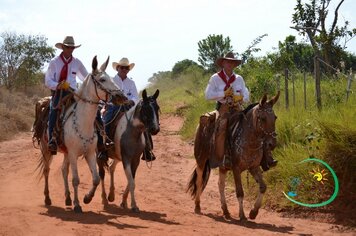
(319, 177)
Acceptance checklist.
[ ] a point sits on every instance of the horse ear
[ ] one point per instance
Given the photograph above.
(105, 64)
(155, 96)
(275, 98)
(94, 63)
(144, 94)
(263, 100)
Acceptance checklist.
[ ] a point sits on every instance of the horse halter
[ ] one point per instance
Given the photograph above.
(267, 110)
(99, 85)
(147, 106)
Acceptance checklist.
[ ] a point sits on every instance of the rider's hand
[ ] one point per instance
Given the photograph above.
(237, 98)
(228, 92)
(63, 85)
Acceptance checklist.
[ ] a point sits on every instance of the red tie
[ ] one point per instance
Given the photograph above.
(64, 71)
(227, 82)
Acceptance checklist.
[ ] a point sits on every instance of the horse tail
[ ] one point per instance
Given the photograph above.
(192, 186)
(41, 166)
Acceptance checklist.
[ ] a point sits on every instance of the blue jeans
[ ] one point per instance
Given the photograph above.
(54, 108)
(109, 114)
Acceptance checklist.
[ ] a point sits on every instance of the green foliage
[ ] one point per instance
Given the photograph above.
(293, 55)
(248, 53)
(211, 48)
(181, 66)
(310, 20)
(259, 78)
(21, 57)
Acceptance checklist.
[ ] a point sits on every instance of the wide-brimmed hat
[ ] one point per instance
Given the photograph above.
(68, 41)
(230, 57)
(123, 62)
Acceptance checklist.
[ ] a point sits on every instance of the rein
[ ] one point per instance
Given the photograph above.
(97, 85)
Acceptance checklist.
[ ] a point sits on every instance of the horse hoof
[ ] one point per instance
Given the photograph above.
(111, 197)
(253, 214)
(87, 199)
(227, 215)
(123, 205)
(243, 218)
(68, 201)
(48, 201)
(197, 210)
(104, 202)
(78, 209)
(135, 210)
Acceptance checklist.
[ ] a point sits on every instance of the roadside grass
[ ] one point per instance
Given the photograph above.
(17, 110)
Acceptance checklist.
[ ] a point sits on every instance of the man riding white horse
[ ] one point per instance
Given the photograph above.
(60, 77)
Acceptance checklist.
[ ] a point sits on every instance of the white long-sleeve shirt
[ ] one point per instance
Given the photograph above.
(76, 69)
(215, 88)
(128, 86)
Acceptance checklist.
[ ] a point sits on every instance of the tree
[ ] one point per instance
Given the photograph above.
(247, 54)
(21, 57)
(210, 49)
(292, 54)
(310, 20)
(181, 66)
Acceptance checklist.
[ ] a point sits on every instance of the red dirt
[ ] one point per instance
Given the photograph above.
(160, 193)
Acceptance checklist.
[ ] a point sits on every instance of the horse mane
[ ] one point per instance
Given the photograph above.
(237, 119)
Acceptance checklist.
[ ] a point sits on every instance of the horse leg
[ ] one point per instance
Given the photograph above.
(257, 175)
(221, 184)
(46, 160)
(130, 188)
(104, 200)
(91, 160)
(199, 187)
(112, 168)
(239, 191)
(75, 182)
(65, 171)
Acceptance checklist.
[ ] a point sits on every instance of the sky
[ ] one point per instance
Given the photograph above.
(156, 34)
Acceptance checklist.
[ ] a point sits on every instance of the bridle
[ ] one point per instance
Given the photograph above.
(97, 84)
(150, 102)
(267, 110)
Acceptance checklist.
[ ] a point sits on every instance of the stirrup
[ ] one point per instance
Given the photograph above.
(103, 155)
(148, 156)
(226, 163)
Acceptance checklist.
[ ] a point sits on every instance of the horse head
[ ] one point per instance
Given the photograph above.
(149, 112)
(105, 88)
(265, 120)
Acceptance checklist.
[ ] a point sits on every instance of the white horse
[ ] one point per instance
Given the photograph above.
(129, 145)
(79, 134)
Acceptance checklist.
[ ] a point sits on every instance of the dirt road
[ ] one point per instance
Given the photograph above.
(160, 193)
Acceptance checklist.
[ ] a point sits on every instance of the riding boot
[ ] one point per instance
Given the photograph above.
(267, 160)
(147, 152)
